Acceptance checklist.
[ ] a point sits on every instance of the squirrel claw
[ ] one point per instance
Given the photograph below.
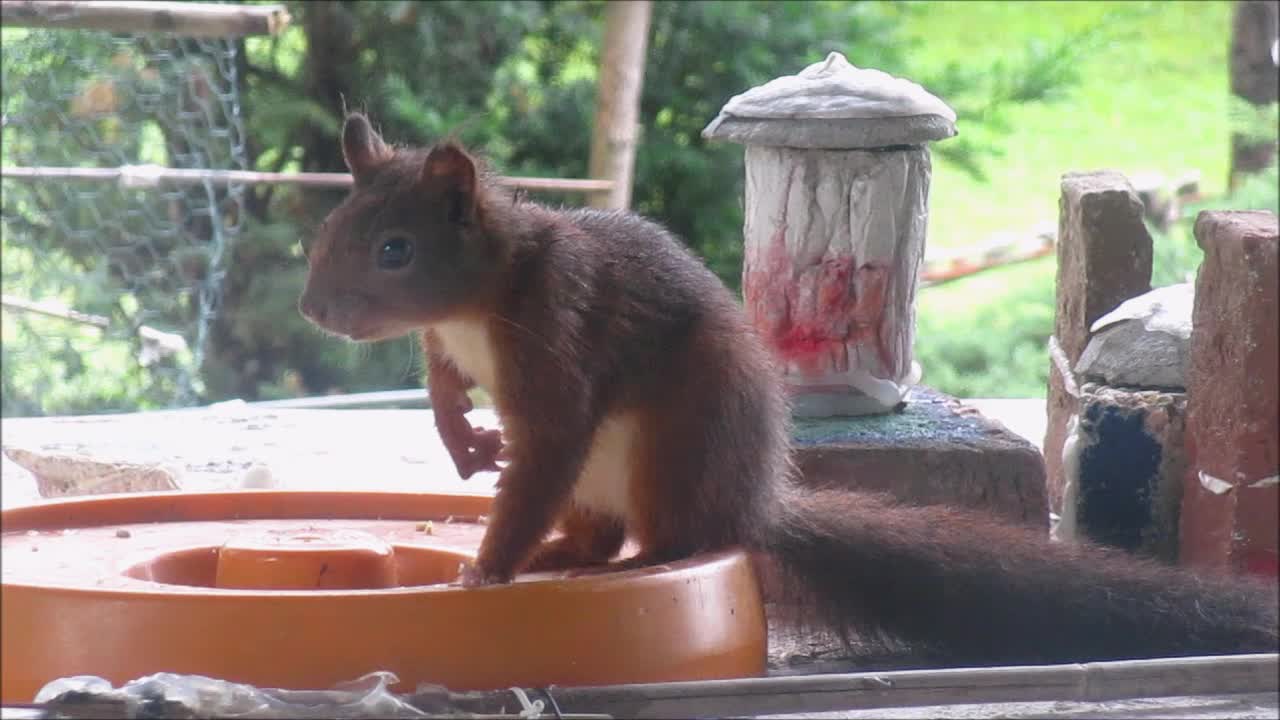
(470, 576)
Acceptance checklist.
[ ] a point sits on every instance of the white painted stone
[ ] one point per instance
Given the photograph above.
(1145, 342)
(834, 242)
(833, 104)
(835, 88)
(1164, 309)
(837, 191)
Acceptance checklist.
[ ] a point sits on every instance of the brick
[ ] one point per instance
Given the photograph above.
(1126, 470)
(1104, 258)
(935, 451)
(1230, 496)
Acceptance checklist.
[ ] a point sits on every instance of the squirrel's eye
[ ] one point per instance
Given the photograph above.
(395, 253)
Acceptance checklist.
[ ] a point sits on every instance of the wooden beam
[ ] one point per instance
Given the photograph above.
(613, 141)
(153, 175)
(1087, 682)
(180, 18)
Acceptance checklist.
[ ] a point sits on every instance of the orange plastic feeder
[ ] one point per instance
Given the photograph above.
(304, 590)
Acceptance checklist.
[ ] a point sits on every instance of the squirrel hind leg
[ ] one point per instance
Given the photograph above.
(589, 539)
(682, 494)
(707, 461)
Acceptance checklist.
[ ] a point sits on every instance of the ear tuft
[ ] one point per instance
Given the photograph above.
(450, 174)
(362, 147)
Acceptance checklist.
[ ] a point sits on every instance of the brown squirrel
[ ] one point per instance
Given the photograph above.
(637, 401)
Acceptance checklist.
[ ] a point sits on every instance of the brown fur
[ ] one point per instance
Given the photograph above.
(596, 315)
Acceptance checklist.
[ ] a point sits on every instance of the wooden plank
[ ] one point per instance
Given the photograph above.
(192, 19)
(1255, 706)
(1088, 682)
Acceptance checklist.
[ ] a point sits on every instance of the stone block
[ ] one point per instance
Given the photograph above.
(1124, 466)
(1230, 500)
(934, 451)
(1104, 258)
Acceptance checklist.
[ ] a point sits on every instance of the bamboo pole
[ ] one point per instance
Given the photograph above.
(54, 311)
(972, 261)
(1087, 682)
(166, 343)
(193, 19)
(613, 140)
(153, 175)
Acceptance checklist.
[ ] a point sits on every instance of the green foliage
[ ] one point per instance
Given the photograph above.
(526, 99)
(703, 53)
(137, 258)
(516, 80)
(1176, 254)
(985, 336)
(1254, 123)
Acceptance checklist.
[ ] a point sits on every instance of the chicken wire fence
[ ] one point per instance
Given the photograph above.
(111, 282)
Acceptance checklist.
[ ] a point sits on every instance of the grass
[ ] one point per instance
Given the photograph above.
(1153, 97)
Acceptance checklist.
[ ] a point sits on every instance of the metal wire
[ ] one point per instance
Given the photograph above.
(138, 255)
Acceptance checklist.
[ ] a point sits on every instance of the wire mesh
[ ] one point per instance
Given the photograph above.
(111, 287)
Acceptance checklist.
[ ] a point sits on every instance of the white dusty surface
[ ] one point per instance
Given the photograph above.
(237, 445)
(229, 447)
(1023, 416)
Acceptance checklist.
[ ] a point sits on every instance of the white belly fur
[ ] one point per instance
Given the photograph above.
(604, 485)
(469, 346)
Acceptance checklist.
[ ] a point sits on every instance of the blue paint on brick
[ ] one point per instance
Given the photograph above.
(1119, 470)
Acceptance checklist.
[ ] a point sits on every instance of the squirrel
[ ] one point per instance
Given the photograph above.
(636, 401)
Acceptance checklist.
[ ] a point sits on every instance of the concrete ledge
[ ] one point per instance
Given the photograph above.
(935, 451)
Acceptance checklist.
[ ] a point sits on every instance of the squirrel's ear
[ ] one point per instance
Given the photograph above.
(450, 173)
(362, 147)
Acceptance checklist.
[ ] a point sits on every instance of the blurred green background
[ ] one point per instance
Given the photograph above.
(1040, 88)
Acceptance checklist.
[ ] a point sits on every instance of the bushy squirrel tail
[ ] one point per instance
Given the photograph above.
(984, 592)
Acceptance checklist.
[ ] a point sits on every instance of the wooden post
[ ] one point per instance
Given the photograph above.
(1255, 29)
(613, 141)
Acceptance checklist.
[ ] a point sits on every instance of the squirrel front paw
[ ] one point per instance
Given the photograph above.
(471, 576)
(472, 449)
(487, 449)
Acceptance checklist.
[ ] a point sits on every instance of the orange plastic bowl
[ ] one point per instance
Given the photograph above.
(304, 590)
